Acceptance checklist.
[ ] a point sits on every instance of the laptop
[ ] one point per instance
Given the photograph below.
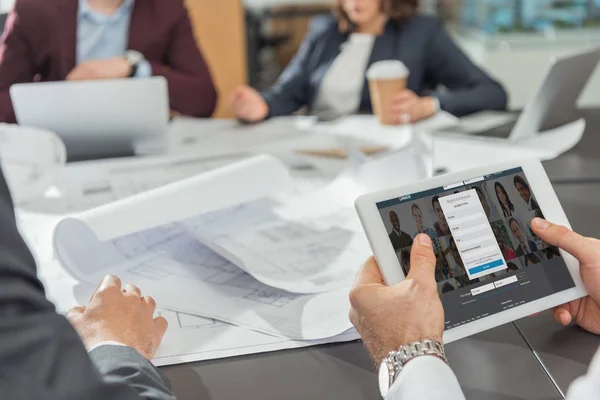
(555, 101)
(96, 119)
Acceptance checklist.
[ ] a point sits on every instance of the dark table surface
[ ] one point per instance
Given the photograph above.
(493, 365)
(582, 163)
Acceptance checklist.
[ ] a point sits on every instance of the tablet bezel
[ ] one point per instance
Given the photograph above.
(546, 198)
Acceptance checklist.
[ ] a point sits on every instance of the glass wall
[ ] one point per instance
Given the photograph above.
(518, 16)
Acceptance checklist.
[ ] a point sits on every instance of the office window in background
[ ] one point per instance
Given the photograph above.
(529, 16)
(6, 5)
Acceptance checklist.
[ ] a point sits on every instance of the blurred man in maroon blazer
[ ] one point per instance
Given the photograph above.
(54, 40)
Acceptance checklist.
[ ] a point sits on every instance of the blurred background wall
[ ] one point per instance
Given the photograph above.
(253, 40)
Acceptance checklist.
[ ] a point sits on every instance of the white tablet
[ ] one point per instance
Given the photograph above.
(491, 269)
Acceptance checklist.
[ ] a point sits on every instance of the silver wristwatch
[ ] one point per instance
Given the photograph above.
(396, 360)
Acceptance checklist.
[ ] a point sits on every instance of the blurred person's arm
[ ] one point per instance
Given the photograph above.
(469, 89)
(17, 58)
(41, 355)
(191, 89)
(291, 92)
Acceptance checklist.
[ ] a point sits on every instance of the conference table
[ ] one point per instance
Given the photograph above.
(582, 163)
(532, 359)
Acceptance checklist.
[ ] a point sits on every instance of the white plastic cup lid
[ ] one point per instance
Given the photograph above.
(388, 69)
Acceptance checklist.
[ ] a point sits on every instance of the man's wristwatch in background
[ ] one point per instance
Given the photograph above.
(436, 104)
(134, 58)
(396, 360)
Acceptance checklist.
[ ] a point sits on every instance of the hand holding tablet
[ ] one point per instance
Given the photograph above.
(491, 268)
(585, 312)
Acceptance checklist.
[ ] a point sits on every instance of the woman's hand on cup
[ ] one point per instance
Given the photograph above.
(409, 108)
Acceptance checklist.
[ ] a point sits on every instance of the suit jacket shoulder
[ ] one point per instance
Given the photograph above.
(421, 29)
(322, 26)
(164, 10)
(40, 25)
(33, 15)
(425, 22)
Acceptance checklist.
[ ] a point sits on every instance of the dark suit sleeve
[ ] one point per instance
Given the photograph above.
(469, 89)
(191, 88)
(16, 58)
(120, 364)
(41, 356)
(292, 90)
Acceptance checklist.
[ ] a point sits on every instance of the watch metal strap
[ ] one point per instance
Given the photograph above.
(393, 364)
(422, 348)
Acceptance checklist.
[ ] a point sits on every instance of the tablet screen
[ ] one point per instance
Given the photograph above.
(488, 258)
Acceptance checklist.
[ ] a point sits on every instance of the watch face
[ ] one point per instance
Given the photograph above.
(134, 57)
(384, 378)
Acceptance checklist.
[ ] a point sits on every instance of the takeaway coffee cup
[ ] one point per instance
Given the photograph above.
(386, 79)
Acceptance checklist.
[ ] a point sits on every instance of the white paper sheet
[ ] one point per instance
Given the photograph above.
(184, 275)
(203, 137)
(37, 230)
(299, 245)
(312, 250)
(31, 160)
(453, 153)
(188, 338)
(367, 128)
(485, 120)
(236, 183)
(556, 141)
(191, 338)
(300, 255)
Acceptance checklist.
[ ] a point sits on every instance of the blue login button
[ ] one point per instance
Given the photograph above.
(485, 267)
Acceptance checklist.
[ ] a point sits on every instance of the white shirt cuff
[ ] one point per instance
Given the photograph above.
(436, 104)
(105, 343)
(588, 386)
(144, 70)
(426, 378)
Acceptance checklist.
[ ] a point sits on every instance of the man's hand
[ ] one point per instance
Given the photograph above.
(122, 316)
(248, 105)
(585, 312)
(113, 68)
(390, 317)
(409, 108)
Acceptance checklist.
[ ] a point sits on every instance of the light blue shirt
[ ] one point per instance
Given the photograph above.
(101, 36)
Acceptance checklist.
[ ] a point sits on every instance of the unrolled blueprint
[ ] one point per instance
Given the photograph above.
(188, 276)
(274, 263)
(188, 338)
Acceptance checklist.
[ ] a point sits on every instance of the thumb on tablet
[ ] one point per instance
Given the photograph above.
(422, 260)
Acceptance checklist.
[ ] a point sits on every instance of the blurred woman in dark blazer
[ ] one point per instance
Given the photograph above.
(328, 74)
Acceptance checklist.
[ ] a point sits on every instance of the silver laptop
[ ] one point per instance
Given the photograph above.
(97, 118)
(555, 101)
